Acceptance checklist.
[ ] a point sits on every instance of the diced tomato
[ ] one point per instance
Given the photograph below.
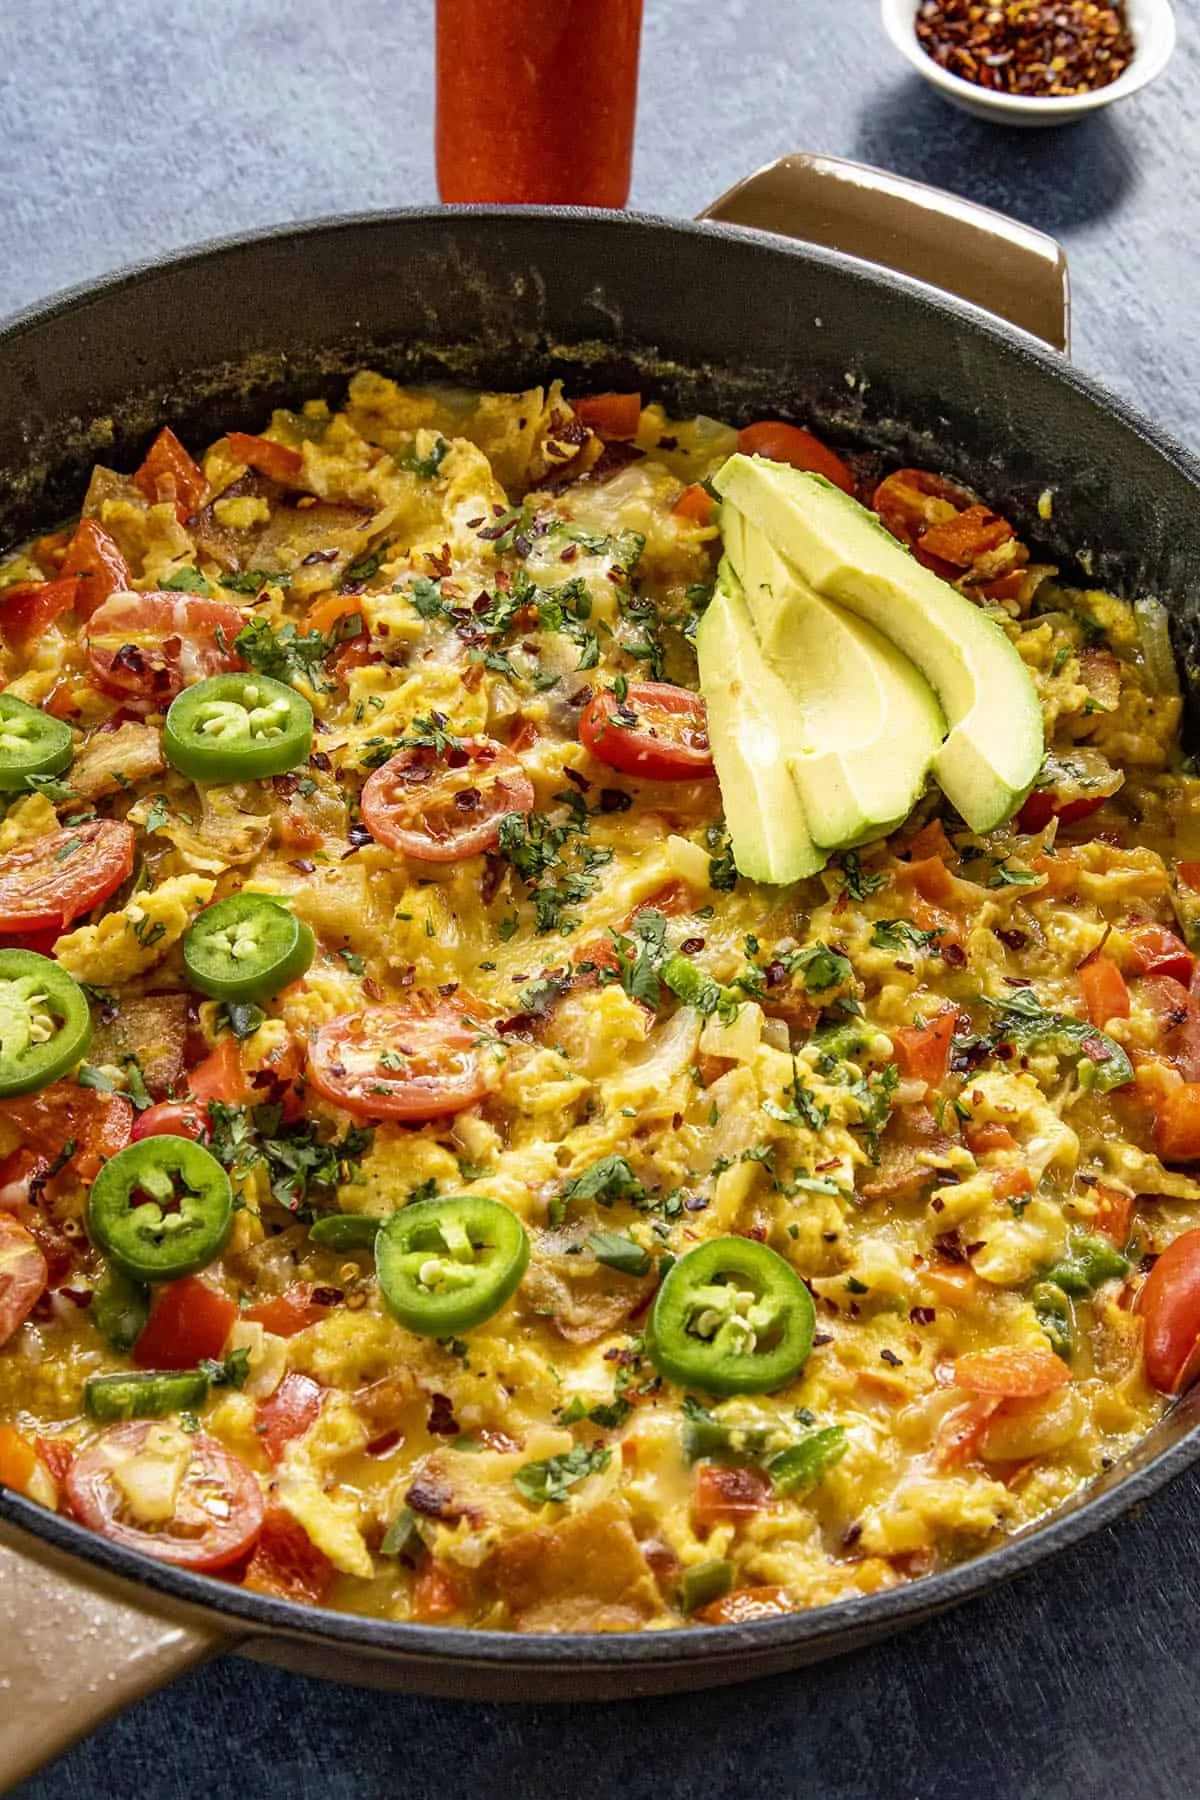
(98, 1124)
(1157, 951)
(289, 1312)
(931, 879)
(288, 1413)
(1169, 1305)
(610, 415)
(1177, 1129)
(935, 918)
(1043, 805)
(960, 1431)
(910, 502)
(286, 1564)
(435, 1595)
(697, 504)
(790, 444)
(988, 1135)
(1104, 991)
(1009, 1184)
(1060, 872)
(277, 461)
(220, 1076)
(1188, 875)
(26, 611)
(725, 1495)
(169, 473)
(57, 1456)
(95, 561)
(1012, 1372)
(1113, 1216)
(18, 1172)
(190, 1321)
(747, 1604)
(931, 840)
(922, 1052)
(968, 536)
(18, 1459)
(955, 1283)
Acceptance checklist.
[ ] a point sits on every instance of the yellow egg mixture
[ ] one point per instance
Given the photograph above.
(445, 566)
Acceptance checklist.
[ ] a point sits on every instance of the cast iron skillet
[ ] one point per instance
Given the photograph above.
(708, 318)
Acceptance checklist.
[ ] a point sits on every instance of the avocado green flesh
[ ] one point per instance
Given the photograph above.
(752, 728)
(869, 722)
(995, 743)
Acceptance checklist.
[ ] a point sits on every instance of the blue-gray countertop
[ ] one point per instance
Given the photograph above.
(131, 127)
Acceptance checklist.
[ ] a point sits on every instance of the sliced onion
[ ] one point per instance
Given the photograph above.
(1154, 629)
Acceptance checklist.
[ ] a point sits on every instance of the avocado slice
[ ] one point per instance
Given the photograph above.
(753, 726)
(994, 749)
(870, 723)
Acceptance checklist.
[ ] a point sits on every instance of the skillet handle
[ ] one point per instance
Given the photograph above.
(1005, 267)
(76, 1647)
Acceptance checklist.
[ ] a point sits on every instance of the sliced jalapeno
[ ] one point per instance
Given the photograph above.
(445, 1265)
(238, 728)
(247, 947)
(111, 1398)
(31, 743)
(345, 1231)
(731, 1318)
(45, 1022)
(161, 1209)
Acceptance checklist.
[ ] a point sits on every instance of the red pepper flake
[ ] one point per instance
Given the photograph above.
(1042, 48)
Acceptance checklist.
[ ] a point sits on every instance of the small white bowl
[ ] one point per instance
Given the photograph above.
(1151, 22)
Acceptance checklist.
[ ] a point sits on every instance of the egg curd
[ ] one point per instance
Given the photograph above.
(434, 734)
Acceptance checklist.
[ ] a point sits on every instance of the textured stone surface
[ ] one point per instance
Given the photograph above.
(128, 129)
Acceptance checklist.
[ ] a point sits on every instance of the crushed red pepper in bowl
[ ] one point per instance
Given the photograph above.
(1038, 48)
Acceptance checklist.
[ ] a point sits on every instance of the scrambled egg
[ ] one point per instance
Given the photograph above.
(441, 566)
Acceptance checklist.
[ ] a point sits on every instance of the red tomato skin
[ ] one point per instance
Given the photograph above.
(278, 461)
(90, 1495)
(1104, 991)
(1043, 805)
(429, 1095)
(636, 751)
(38, 892)
(1169, 1305)
(220, 1076)
(508, 790)
(286, 1564)
(289, 1312)
(1157, 951)
(922, 1052)
(26, 611)
(170, 1118)
(93, 559)
(99, 1123)
(435, 1595)
(169, 473)
(610, 415)
(288, 1413)
(790, 444)
(187, 637)
(23, 1275)
(190, 1321)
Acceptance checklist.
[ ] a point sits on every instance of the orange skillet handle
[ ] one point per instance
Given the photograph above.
(76, 1647)
(1005, 267)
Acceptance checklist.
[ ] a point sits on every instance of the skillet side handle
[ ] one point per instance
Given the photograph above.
(73, 1650)
(995, 262)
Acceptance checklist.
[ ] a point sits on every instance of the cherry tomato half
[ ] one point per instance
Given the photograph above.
(442, 807)
(50, 880)
(169, 473)
(171, 1118)
(657, 731)
(218, 1510)
(23, 1275)
(1170, 1308)
(150, 646)
(420, 1060)
(789, 444)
